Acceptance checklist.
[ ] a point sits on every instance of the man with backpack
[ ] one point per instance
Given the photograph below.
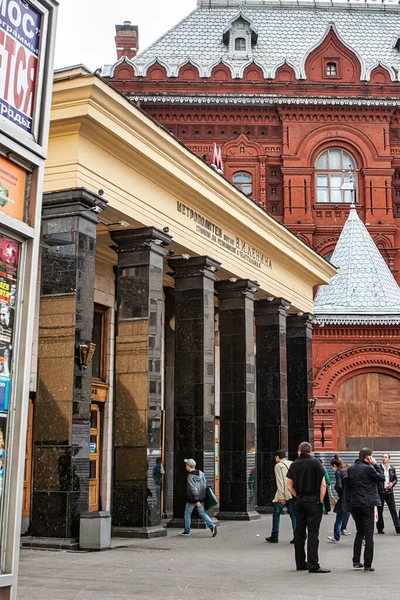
(196, 489)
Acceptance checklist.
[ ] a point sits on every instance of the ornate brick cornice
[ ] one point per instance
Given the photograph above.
(264, 100)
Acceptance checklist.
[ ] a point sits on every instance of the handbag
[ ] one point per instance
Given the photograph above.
(332, 497)
(211, 499)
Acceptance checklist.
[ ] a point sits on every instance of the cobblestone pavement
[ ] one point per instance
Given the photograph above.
(236, 565)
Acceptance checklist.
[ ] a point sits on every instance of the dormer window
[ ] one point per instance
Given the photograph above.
(240, 36)
(240, 44)
(331, 69)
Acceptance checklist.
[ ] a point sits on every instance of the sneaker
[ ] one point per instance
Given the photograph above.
(332, 540)
(214, 531)
(381, 532)
(272, 539)
(185, 533)
(370, 569)
(345, 532)
(358, 565)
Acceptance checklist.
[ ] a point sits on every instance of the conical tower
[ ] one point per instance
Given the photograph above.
(364, 291)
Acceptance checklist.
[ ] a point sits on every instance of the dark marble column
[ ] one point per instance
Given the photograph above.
(169, 363)
(61, 430)
(237, 398)
(194, 403)
(299, 380)
(272, 418)
(137, 415)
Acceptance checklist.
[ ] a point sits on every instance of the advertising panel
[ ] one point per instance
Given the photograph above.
(9, 258)
(12, 189)
(20, 25)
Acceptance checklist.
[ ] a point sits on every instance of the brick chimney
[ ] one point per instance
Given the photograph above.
(127, 40)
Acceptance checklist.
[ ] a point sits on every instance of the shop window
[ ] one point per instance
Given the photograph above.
(240, 44)
(333, 170)
(98, 338)
(243, 182)
(331, 69)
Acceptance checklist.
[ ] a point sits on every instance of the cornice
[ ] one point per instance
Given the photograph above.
(264, 100)
(114, 121)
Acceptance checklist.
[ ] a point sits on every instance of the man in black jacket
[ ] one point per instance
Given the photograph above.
(196, 489)
(306, 482)
(364, 477)
(386, 494)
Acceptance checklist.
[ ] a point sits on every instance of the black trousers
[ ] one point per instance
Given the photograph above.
(364, 517)
(308, 520)
(389, 499)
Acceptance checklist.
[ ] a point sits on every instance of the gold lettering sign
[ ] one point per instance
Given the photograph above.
(216, 234)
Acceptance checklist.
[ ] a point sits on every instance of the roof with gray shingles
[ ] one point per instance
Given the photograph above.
(287, 32)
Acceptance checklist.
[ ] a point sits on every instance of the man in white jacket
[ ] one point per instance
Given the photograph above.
(282, 497)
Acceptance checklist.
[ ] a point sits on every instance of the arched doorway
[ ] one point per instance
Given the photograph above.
(368, 412)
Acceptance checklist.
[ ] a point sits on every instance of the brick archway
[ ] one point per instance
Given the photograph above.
(337, 370)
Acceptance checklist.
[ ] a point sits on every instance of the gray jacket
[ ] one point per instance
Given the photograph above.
(196, 487)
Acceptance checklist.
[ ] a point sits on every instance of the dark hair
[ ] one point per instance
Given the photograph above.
(305, 448)
(386, 453)
(364, 452)
(336, 461)
(280, 454)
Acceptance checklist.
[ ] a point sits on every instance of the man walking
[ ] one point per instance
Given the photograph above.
(364, 477)
(386, 494)
(196, 489)
(306, 482)
(282, 497)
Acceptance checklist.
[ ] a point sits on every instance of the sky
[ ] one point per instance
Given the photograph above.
(86, 28)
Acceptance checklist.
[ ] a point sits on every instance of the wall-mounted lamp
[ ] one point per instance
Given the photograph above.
(86, 352)
(233, 279)
(311, 403)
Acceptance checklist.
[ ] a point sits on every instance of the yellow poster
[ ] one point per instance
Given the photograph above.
(12, 189)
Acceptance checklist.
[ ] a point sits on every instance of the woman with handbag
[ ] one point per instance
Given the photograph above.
(342, 505)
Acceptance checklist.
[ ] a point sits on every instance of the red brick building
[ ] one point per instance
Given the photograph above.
(303, 100)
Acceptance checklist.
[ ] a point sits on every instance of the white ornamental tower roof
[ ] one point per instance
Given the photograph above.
(364, 291)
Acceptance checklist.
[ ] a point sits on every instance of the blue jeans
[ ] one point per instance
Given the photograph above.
(276, 516)
(202, 514)
(337, 528)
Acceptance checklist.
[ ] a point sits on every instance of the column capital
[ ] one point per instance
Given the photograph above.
(197, 266)
(301, 320)
(71, 203)
(129, 240)
(272, 306)
(234, 289)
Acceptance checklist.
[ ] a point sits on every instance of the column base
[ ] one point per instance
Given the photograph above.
(195, 524)
(238, 516)
(146, 533)
(50, 543)
(265, 510)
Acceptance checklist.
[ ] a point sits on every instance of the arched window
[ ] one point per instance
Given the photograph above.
(328, 256)
(332, 170)
(243, 182)
(240, 44)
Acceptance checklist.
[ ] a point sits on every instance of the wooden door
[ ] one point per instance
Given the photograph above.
(26, 502)
(368, 407)
(95, 453)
